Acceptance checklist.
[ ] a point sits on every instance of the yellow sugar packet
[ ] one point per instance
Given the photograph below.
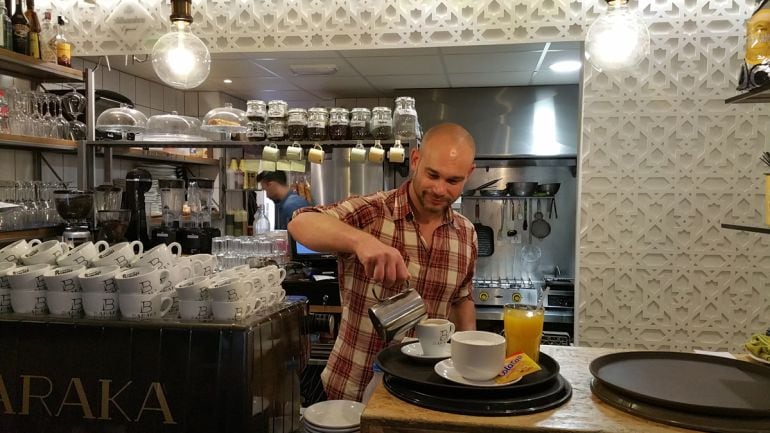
(516, 366)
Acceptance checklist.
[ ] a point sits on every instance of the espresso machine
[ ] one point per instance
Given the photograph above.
(171, 199)
(76, 208)
(138, 182)
(196, 237)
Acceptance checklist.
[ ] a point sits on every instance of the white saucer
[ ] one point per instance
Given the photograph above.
(334, 415)
(415, 351)
(756, 358)
(446, 369)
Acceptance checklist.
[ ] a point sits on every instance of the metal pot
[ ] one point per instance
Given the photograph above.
(493, 192)
(521, 189)
(547, 189)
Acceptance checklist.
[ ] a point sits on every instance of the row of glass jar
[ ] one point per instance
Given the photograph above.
(336, 123)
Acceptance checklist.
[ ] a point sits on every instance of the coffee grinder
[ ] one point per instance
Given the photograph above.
(171, 200)
(138, 182)
(76, 208)
(196, 237)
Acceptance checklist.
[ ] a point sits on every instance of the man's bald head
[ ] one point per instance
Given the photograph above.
(446, 137)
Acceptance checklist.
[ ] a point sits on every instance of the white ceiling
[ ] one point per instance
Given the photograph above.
(377, 73)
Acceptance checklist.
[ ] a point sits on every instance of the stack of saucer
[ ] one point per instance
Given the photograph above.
(333, 416)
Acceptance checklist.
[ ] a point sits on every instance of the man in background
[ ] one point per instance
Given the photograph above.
(286, 200)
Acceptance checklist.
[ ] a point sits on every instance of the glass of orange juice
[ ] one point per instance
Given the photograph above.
(523, 329)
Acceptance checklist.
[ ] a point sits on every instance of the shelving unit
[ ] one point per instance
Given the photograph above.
(153, 155)
(23, 142)
(21, 66)
(759, 95)
(508, 197)
(39, 233)
(746, 228)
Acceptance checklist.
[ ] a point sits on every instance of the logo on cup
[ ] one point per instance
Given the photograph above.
(81, 260)
(121, 261)
(40, 303)
(232, 295)
(146, 307)
(203, 312)
(109, 286)
(108, 305)
(40, 282)
(77, 305)
(145, 287)
(5, 300)
(69, 285)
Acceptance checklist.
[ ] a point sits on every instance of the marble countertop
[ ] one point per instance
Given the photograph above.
(584, 412)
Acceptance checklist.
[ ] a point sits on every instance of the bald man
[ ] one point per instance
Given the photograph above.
(386, 239)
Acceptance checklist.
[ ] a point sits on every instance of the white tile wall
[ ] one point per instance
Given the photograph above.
(142, 92)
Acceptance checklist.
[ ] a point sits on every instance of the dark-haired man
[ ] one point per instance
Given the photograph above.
(286, 199)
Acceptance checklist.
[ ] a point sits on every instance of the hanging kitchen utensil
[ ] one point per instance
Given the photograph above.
(485, 236)
(502, 221)
(513, 232)
(540, 227)
(524, 225)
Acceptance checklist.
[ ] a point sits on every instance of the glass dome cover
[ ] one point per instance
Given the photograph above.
(225, 119)
(173, 127)
(122, 119)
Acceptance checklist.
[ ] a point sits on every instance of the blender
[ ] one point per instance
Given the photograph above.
(138, 182)
(76, 208)
(196, 238)
(171, 200)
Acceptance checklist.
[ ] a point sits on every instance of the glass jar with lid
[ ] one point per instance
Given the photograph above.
(257, 130)
(359, 123)
(338, 123)
(277, 108)
(405, 119)
(317, 120)
(276, 129)
(256, 110)
(381, 125)
(297, 123)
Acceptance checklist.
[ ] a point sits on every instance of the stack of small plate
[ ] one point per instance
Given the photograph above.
(333, 416)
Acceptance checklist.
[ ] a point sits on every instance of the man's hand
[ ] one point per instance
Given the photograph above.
(382, 263)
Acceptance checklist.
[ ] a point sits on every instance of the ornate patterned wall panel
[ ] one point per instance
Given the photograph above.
(663, 160)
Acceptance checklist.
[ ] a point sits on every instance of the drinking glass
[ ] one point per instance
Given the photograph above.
(523, 325)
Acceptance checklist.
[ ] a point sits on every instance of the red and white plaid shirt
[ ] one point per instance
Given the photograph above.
(442, 275)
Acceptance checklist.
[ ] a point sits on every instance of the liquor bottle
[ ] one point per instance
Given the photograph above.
(5, 26)
(261, 222)
(8, 27)
(63, 47)
(756, 67)
(33, 38)
(47, 33)
(20, 30)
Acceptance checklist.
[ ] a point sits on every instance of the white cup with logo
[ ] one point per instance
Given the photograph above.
(14, 251)
(101, 305)
(63, 278)
(198, 311)
(144, 306)
(65, 304)
(160, 256)
(122, 254)
(273, 273)
(47, 253)
(478, 355)
(82, 254)
(5, 268)
(396, 153)
(28, 277)
(231, 289)
(376, 153)
(100, 279)
(434, 335)
(194, 289)
(141, 281)
(203, 264)
(358, 153)
(316, 154)
(294, 152)
(177, 274)
(29, 301)
(234, 311)
(277, 295)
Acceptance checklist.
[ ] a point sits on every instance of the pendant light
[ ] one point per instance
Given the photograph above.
(617, 40)
(179, 58)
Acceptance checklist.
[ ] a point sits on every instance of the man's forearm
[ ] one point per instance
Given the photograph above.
(463, 315)
(324, 233)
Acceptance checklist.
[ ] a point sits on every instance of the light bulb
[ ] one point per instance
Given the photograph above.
(180, 59)
(617, 40)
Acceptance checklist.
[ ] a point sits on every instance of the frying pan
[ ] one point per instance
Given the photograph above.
(485, 236)
(471, 192)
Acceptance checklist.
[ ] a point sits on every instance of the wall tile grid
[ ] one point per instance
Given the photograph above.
(663, 160)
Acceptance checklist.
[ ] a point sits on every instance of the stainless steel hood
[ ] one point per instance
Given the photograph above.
(532, 121)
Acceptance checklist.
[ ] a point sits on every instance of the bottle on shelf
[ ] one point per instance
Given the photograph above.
(239, 176)
(231, 169)
(61, 45)
(261, 222)
(756, 65)
(33, 37)
(47, 34)
(6, 30)
(20, 30)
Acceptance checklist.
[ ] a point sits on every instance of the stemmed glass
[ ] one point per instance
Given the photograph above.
(75, 104)
(60, 123)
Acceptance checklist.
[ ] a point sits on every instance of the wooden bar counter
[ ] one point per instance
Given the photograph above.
(584, 412)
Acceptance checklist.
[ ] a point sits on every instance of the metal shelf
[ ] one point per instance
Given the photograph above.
(758, 95)
(21, 66)
(152, 155)
(241, 144)
(744, 228)
(507, 197)
(24, 142)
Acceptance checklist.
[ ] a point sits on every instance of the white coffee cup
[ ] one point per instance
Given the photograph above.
(65, 304)
(233, 311)
(194, 289)
(5, 267)
(160, 256)
(141, 281)
(203, 264)
(47, 252)
(177, 274)
(376, 152)
(28, 277)
(358, 153)
(101, 305)
(82, 254)
(270, 152)
(29, 301)
(277, 295)
(294, 152)
(316, 154)
(149, 306)
(121, 254)
(14, 251)
(198, 311)
(63, 278)
(273, 273)
(231, 289)
(434, 335)
(478, 355)
(396, 153)
(100, 279)
(5, 301)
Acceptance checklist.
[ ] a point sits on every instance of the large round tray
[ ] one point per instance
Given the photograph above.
(556, 393)
(395, 363)
(688, 382)
(678, 418)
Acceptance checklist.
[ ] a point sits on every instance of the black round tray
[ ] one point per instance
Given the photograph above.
(677, 418)
(395, 363)
(690, 382)
(555, 394)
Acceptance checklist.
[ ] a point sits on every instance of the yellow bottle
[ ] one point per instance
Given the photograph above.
(758, 38)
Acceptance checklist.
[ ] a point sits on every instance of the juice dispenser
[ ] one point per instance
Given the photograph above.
(172, 199)
(196, 237)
